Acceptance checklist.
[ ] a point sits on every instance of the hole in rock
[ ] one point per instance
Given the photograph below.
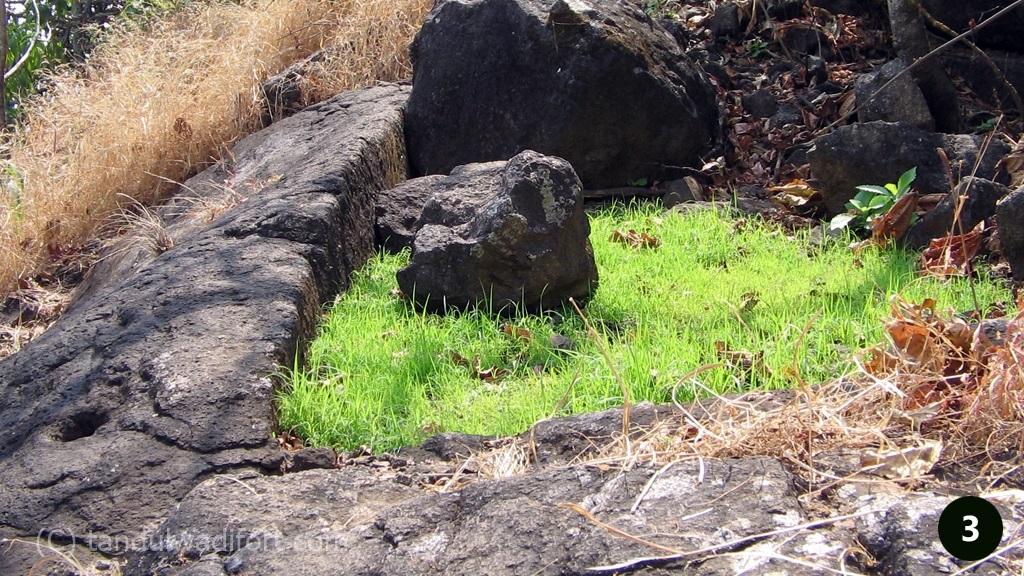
(78, 426)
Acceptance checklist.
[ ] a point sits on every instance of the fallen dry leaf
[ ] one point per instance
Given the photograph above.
(635, 239)
(795, 187)
(894, 223)
(518, 332)
(906, 463)
(952, 255)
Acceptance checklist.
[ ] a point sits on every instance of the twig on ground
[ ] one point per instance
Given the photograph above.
(677, 555)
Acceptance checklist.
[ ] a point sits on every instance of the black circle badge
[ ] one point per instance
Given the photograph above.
(970, 528)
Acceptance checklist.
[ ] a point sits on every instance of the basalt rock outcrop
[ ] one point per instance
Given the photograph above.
(398, 211)
(140, 426)
(1010, 214)
(596, 82)
(386, 515)
(878, 152)
(970, 202)
(164, 379)
(503, 234)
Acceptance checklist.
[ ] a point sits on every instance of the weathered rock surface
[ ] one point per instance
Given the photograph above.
(901, 535)
(979, 198)
(597, 83)
(878, 152)
(503, 233)
(398, 211)
(349, 522)
(900, 101)
(369, 519)
(163, 379)
(912, 42)
(1010, 216)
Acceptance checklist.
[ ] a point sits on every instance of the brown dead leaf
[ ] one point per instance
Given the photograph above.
(952, 255)
(925, 395)
(795, 187)
(906, 463)
(958, 334)
(881, 362)
(787, 200)
(742, 358)
(635, 239)
(795, 193)
(491, 374)
(518, 332)
(894, 223)
(912, 338)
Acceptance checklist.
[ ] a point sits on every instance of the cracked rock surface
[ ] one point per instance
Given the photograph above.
(162, 378)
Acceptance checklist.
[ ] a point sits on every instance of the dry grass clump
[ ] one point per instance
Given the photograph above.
(28, 312)
(153, 106)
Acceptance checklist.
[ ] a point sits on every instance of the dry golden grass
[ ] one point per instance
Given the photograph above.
(152, 107)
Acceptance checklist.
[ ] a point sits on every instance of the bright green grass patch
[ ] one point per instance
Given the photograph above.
(383, 375)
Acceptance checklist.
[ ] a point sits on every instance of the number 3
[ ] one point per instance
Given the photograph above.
(971, 528)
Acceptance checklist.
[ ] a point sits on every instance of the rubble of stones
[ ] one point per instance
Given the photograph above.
(145, 414)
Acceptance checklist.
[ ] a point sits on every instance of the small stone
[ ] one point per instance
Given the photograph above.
(760, 104)
(560, 342)
(233, 565)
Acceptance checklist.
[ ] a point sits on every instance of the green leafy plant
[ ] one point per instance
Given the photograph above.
(986, 125)
(660, 8)
(755, 47)
(872, 202)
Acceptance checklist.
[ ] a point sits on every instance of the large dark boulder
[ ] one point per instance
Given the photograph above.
(890, 95)
(1010, 216)
(166, 377)
(878, 152)
(597, 83)
(505, 234)
(977, 200)
(912, 43)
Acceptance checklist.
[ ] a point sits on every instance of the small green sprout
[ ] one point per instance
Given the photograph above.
(872, 202)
